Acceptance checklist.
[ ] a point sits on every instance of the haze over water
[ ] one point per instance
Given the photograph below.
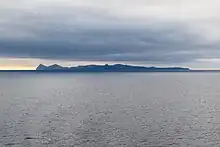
(109, 109)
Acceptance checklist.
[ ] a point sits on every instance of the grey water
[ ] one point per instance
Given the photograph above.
(109, 109)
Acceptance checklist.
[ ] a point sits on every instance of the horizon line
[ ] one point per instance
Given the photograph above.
(35, 67)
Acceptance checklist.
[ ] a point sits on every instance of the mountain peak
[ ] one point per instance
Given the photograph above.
(55, 66)
(41, 67)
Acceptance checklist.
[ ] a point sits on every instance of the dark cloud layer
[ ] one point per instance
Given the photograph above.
(104, 45)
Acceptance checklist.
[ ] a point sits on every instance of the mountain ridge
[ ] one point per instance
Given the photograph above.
(109, 68)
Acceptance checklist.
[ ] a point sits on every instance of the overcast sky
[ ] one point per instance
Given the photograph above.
(146, 32)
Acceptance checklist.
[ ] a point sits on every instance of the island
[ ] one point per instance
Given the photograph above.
(109, 68)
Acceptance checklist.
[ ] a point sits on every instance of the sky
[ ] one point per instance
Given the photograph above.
(139, 32)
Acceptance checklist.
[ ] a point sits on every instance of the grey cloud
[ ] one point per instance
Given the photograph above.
(92, 33)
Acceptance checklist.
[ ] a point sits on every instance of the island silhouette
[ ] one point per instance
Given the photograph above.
(109, 68)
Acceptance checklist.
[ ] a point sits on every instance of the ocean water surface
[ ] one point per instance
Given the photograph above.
(109, 109)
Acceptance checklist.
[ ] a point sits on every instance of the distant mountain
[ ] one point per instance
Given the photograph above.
(41, 67)
(109, 68)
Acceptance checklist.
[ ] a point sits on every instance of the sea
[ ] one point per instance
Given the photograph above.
(109, 109)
